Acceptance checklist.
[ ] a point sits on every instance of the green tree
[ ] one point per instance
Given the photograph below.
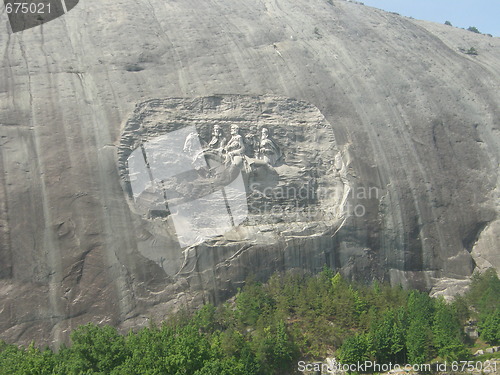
(232, 342)
(419, 335)
(472, 51)
(188, 352)
(96, 349)
(389, 337)
(419, 341)
(148, 349)
(273, 347)
(205, 318)
(484, 292)
(30, 361)
(346, 304)
(355, 348)
(252, 302)
(447, 332)
(420, 306)
(490, 328)
(461, 308)
(283, 351)
(227, 366)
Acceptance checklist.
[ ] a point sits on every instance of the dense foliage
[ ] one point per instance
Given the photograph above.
(268, 327)
(484, 299)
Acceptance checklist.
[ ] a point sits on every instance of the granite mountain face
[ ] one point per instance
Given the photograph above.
(154, 154)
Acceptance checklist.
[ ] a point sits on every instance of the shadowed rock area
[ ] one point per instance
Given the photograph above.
(409, 137)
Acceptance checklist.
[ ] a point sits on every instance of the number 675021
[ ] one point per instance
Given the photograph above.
(27, 8)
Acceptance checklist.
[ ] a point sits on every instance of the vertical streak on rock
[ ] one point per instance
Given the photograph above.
(422, 202)
(116, 238)
(5, 248)
(50, 245)
(413, 252)
(180, 66)
(394, 218)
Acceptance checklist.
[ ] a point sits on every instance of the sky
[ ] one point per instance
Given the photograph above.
(483, 14)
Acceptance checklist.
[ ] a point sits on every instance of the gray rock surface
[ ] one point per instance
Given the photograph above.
(414, 127)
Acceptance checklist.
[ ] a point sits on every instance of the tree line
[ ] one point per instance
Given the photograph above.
(268, 327)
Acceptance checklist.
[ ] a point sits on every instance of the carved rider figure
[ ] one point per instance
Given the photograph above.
(218, 140)
(268, 149)
(235, 148)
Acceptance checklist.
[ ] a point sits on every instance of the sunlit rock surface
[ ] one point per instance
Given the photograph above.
(412, 145)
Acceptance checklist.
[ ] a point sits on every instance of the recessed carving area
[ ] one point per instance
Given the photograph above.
(231, 166)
